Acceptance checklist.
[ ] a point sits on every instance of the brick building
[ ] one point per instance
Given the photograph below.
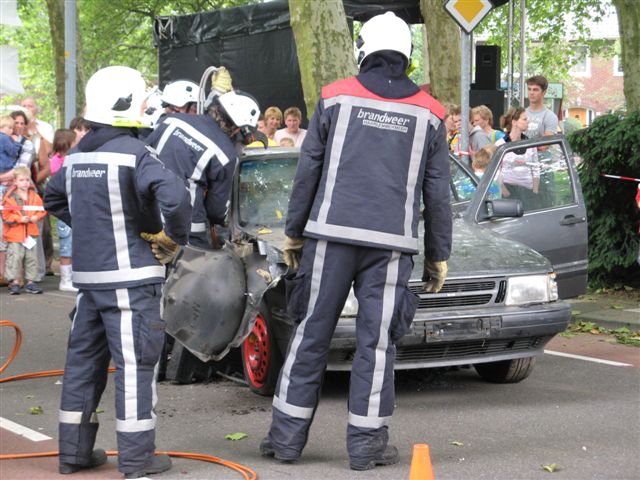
(597, 82)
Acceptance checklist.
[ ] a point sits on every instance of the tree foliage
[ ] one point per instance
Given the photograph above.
(610, 145)
(109, 33)
(553, 30)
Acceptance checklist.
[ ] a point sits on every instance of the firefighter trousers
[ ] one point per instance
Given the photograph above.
(123, 325)
(327, 272)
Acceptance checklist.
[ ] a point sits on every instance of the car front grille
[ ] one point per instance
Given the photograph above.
(451, 350)
(462, 294)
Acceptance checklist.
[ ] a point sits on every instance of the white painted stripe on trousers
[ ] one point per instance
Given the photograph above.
(292, 410)
(316, 277)
(130, 373)
(67, 416)
(22, 430)
(368, 422)
(78, 299)
(388, 302)
(135, 425)
(588, 359)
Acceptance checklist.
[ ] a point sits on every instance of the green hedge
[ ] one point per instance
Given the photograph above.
(611, 145)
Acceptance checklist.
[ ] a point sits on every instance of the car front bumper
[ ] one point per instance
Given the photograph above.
(447, 338)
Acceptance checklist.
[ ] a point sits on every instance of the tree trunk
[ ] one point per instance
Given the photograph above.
(323, 43)
(629, 26)
(443, 40)
(55, 9)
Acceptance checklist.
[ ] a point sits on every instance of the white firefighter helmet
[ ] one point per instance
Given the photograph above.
(383, 32)
(152, 108)
(114, 96)
(180, 92)
(241, 109)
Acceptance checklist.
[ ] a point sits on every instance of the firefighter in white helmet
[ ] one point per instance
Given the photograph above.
(375, 144)
(180, 96)
(111, 188)
(201, 149)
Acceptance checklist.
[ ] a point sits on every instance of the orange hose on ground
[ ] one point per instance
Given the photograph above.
(243, 470)
(246, 472)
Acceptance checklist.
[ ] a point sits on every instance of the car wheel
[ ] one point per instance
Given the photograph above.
(507, 371)
(261, 358)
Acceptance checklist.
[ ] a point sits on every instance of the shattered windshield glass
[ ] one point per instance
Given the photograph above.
(264, 190)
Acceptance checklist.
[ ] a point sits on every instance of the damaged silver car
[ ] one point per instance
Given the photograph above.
(511, 264)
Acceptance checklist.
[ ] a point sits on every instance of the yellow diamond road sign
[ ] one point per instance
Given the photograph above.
(468, 13)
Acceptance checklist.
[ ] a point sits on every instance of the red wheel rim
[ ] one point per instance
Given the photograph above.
(256, 353)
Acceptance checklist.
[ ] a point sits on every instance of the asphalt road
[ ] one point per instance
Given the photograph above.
(582, 416)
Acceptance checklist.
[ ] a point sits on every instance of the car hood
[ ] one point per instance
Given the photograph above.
(475, 253)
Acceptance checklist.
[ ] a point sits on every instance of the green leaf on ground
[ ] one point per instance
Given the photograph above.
(29, 396)
(236, 436)
(457, 444)
(575, 313)
(617, 307)
(36, 410)
(550, 468)
(99, 410)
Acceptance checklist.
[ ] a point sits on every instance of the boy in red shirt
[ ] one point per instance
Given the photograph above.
(22, 210)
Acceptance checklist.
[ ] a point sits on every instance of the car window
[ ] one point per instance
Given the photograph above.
(264, 190)
(538, 177)
(462, 185)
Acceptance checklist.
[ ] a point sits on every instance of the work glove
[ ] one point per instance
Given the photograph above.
(434, 275)
(292, 251)
(221, 81)
(163, 248)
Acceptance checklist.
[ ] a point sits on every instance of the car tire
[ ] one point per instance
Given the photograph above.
(261, 357)
(507, 371)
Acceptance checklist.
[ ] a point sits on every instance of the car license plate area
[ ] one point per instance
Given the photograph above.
(462, 329)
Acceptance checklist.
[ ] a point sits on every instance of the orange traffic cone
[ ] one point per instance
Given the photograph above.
(421, 463)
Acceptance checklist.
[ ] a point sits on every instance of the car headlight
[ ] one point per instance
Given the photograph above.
(531, 289)
(350, 306)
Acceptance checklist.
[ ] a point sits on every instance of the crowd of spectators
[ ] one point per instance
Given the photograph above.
(30, 152)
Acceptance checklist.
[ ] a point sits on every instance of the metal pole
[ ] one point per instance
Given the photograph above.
(510, 94)
(69, 61)
(465, 81)
(523, 21)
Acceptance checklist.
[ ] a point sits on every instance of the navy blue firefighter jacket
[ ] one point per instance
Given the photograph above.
(365, 162)
(198, 151)
(111, 188)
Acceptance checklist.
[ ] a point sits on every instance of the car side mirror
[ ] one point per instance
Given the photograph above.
(503, 208)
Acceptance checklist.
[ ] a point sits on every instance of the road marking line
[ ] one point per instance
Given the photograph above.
(21, 430)
(588, 359)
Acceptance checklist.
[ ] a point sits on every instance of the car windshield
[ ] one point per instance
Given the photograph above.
(264, 189)
(265, 186)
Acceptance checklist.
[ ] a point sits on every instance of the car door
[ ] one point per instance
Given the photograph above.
(554, 222)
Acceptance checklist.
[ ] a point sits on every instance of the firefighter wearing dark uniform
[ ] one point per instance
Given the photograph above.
(111, 188)
(375, 143)
(200, 150)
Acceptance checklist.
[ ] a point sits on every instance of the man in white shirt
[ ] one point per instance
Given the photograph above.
(542, 121)
(43, 128)
(292, 119)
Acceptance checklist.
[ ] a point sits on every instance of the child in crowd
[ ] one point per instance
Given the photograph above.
(482, 159)
(9, 152)
(286, 142)
(22, 210)
(63, 140)
(9, 148)
(81, 127)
